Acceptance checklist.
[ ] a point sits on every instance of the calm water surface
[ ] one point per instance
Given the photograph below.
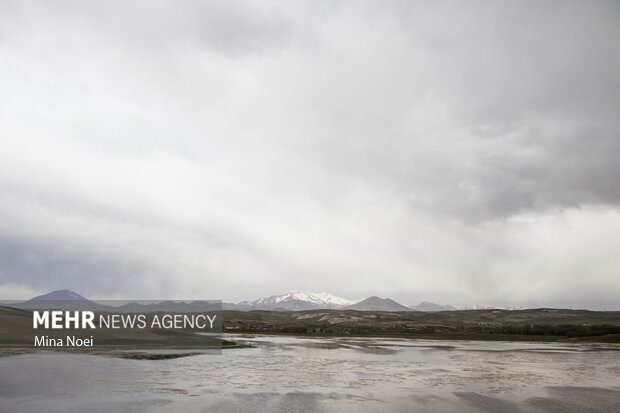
(284, 374)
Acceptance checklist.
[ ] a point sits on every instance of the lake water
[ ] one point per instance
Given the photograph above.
(285, 374)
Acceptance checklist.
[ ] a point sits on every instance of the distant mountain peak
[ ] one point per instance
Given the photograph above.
(297, 300)
(60, 299)
(375, 303)
(60, 295)
(428, 306)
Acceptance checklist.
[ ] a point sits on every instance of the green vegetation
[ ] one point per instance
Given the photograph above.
(518, 325)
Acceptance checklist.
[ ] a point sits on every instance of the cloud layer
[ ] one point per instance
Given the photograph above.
(465, 155)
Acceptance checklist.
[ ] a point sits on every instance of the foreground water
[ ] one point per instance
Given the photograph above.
(283, 374)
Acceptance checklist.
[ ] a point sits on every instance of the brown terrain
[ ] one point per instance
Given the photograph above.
(534, 324)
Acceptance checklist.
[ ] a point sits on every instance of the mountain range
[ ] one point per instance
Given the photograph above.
(297, 301)
(70, 300)
(292, 301)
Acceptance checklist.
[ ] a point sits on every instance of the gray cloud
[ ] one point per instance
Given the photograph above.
(422, 151)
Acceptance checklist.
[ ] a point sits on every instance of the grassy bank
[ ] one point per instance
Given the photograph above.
(488, 325)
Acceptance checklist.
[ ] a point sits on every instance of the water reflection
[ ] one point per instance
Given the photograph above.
(294, 374)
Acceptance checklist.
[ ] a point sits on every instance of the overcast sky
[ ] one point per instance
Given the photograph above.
(457, 152)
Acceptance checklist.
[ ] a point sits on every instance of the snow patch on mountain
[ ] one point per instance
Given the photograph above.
(321, 300)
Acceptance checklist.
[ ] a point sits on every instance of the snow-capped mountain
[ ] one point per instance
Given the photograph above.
(297, 300)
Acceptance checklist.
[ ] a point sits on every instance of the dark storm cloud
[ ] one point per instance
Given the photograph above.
(523, 106)
(50, 266)
(464, 154)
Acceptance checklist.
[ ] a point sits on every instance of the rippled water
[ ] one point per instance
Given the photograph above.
(284, 374)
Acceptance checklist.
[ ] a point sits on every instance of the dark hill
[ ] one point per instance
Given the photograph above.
(378, 304)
